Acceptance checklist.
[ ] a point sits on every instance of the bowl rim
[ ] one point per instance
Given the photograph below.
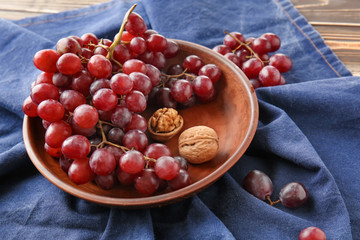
(165, 198)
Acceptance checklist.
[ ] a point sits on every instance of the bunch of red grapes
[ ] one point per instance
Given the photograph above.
(253, 57)
(90, 96)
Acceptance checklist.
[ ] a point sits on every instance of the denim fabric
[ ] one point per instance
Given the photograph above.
(308, 131)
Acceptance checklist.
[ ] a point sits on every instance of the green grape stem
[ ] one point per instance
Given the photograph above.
(117, 40)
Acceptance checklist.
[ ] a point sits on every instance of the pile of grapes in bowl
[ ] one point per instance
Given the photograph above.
(88, 114)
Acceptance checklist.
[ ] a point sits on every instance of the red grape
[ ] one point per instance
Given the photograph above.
(137, 122)
(312, 233)
(193, 63)
(65, 163)
(69, 63)
(258, 184)
(211, 71)
(105, 99)
(117, 152)
(252, 67)
(54, 152)
(81, 82)
(134, 65)
(156, 150)
(86, 116)
(261, 45)
(181, 91)
(156, 43)
(135, 101)
(115, 135)
(99, 66)
(166, 168)
(135, 139)
(282, 62)
(56, 133)
(121, 53)
(222, 49)
(121, 116)
(147, 182)
(293, 195)
(203, 86)
(76, 146)
(269, 76)
(102, 162)
(141, 82)
(80, 172)
(171, 49)
(68, 45)
(124, 177)
(46, 59)
(138, 45)
(165, 99)
(44, 77)
(158, 60)
(43, 91)
(231, 42)
(136, 25)
(182, 162)
(50, 110)
(61, 80)
(181, 180)
(106, 182)
(76, 129)
(233, 58)
(29, 107)
(132, 162)
(70, 99)
(89, 38)
(99, 84)
(154, 74)
(274, 41)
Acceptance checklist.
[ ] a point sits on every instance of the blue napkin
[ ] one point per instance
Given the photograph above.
(308, 131)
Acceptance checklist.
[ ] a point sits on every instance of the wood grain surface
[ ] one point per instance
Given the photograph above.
(338, 21)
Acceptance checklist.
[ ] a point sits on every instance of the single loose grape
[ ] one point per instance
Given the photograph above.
(293, 195)
(312, 233)
(258, 184)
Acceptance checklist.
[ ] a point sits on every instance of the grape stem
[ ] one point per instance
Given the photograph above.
(124, 149)
(117, 40)
(246, 45)
(270, 201)
(184, 73)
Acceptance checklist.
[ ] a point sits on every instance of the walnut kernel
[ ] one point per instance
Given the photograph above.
(165, 120)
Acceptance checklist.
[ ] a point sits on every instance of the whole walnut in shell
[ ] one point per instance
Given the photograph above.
(198, 144)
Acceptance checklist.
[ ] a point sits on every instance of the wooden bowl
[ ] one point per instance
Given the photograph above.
(233, 115)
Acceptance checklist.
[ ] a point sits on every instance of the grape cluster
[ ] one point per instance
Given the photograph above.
(292, 195)
(90, 96)
(252, 56)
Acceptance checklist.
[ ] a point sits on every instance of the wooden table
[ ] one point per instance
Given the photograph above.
(338, 21)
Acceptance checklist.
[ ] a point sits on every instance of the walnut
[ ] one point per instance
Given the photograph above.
(165, 120)
(198, 144)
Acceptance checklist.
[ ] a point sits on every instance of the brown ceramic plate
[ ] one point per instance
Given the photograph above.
(233, 115)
